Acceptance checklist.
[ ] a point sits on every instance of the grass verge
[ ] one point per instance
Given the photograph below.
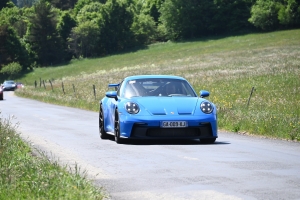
(24, 175)
(227, 67)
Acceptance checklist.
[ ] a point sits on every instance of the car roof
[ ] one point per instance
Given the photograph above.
(153, 76)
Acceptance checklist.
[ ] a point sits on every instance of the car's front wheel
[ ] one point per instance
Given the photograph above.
(117, 128)
(103, 134)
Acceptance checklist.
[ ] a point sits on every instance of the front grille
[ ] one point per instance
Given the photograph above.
(173, 132)
(143, 131)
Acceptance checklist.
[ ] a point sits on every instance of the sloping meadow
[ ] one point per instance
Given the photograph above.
(253, 79)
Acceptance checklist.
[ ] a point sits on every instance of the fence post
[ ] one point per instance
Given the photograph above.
(44, 84)
(35, 83)
(63, 88)
(74, 89)
(40, 82)
(94, 88)
(51, 85)
(250, 96)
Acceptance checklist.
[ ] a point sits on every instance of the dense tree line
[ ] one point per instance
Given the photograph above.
(36, 33)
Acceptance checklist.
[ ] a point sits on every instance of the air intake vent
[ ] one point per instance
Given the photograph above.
(159, 113)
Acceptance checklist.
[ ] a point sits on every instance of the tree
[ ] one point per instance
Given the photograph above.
(236, 21)
(102, 28)
(264, 14)
(43, 36)
(17, 18)
(187, 18)
(81, 3)
(289, 13)
(7, 38)
(84, 39)
(149, 7)
(154, 6)
(144, 29)
(116, 34)
(65, 25)
(90, 12)
(11, 49)
(63, 4)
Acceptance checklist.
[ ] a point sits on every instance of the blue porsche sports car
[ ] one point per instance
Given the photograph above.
(157, 107)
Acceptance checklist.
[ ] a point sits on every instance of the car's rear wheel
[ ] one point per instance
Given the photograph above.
(117, 128)
(208, 140)
(103, 134)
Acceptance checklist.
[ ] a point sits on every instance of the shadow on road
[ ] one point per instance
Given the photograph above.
(166, 142)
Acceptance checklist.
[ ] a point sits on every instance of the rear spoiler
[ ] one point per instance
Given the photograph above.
(115, 85)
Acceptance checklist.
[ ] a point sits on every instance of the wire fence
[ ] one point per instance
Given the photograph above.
(43, 83)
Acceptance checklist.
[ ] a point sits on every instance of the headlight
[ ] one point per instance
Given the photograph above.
(132, 108)
(206, 107)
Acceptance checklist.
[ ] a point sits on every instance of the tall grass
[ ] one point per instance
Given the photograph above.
(227, 67)
(28, 175)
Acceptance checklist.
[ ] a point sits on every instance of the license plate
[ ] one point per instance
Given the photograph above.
(173, 124)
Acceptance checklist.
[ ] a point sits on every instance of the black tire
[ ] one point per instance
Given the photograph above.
(118, 140)
(208, 140)
(102, 133)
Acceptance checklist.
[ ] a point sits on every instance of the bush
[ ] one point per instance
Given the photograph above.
(11, 70)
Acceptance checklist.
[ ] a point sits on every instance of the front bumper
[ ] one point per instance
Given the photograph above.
(9, 88)
(148, 127)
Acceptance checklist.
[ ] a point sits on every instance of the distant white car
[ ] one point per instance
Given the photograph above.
(9, 85)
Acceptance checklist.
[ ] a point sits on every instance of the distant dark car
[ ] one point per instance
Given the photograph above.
(9, 85)
(1, 92)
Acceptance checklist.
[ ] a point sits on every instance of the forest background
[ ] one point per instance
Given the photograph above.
(41, 33)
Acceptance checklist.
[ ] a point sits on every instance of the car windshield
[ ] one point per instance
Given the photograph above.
(9, 82)
(158, 87)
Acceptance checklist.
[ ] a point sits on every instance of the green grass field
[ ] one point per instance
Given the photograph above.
(25, 174)
(227, 67)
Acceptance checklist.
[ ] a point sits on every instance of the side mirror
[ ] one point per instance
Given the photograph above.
(204, 93)
(112, 94)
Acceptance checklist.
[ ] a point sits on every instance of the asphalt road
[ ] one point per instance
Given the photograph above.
(235, 167)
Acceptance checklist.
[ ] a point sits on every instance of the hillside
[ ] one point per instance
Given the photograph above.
(227, 67)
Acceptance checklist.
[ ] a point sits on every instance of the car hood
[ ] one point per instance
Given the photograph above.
(169, 105)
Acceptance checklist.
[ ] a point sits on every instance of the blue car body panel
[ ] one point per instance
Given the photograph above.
(153, 110)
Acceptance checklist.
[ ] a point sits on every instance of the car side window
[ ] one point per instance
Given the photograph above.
(129, 91)
(119, 89)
